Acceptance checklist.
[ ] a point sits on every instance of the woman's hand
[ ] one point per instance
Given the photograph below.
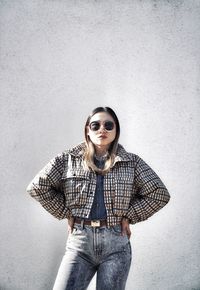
(70, 225)
(125, 227)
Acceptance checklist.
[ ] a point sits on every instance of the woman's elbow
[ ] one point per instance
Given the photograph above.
(30, 189)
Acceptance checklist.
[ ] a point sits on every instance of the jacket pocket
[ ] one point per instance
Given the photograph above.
(76, 188)
(122, 197)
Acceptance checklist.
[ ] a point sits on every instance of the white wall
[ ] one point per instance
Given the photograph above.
(59, 60)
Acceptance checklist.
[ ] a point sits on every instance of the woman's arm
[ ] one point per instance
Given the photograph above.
(150, 194)
(46, 188)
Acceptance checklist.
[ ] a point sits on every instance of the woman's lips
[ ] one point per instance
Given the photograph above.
(102, 137)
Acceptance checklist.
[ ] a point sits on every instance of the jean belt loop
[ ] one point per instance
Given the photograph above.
(82, 224)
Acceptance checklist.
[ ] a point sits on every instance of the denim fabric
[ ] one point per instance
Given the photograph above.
(98, 210)
(95, 250)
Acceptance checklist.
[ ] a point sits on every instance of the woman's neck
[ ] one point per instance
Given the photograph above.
(101, 151)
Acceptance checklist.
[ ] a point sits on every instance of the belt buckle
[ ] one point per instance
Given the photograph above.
(95, 223)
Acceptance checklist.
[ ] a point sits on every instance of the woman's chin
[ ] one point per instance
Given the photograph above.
(101, 143)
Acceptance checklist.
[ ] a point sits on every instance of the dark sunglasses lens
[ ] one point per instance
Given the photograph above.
(109, 125)
(94, 126)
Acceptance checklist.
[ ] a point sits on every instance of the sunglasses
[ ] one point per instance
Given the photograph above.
(95, 125)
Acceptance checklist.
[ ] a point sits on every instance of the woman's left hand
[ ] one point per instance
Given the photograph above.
(126, 227)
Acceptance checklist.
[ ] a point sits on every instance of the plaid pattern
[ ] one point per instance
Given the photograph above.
(131, 188)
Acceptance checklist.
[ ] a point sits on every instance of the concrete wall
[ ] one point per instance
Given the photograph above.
(59, 60)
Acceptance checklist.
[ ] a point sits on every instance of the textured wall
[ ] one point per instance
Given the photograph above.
(60, 59)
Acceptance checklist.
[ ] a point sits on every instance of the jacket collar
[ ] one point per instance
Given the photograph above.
(121, 154)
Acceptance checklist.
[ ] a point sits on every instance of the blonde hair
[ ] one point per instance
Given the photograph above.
(89, 153)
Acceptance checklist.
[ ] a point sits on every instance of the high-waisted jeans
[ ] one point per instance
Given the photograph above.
(92, 250)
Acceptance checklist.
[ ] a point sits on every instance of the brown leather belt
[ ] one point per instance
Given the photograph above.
(92, 223)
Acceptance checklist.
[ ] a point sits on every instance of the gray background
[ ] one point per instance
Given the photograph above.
(59, 60)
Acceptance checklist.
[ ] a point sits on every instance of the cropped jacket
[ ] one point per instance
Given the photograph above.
(131, 187)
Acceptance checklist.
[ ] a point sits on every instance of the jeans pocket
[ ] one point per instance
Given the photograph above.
(117, 229)
(78, 230)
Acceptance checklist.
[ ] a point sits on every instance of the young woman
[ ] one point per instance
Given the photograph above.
(101, 189)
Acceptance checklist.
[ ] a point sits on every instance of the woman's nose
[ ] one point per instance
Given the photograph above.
(102, 128)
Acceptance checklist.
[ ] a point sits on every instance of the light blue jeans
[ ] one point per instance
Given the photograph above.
(92, 250)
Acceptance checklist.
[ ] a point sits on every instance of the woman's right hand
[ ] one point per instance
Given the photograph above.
(70, 225)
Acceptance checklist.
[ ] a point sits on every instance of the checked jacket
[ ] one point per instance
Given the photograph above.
(131, 187)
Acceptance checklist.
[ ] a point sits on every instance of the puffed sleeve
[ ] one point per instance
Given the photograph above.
(47, 190)
(149, 194)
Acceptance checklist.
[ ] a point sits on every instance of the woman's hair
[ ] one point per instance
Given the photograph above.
(90, 150)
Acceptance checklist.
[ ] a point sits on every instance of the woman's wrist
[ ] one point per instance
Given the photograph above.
(126, 218)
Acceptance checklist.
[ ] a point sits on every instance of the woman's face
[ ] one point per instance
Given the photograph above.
(101, 137)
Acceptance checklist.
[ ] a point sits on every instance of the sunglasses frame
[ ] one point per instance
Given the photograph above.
(99, 124)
